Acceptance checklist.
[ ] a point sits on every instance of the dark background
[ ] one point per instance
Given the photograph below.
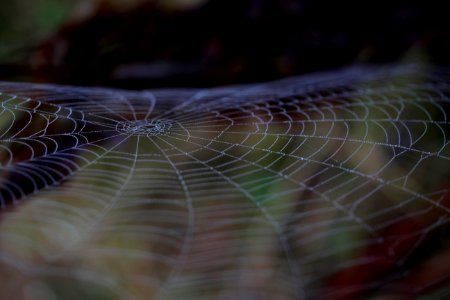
(147, 44)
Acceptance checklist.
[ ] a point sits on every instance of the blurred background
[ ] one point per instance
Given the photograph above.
(162, 43)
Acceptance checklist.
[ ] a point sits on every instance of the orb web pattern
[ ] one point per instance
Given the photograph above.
(328, 186)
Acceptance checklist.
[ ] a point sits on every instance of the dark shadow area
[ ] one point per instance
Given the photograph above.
(208, 43)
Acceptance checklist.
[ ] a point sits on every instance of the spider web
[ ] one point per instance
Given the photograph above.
(332, 185)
